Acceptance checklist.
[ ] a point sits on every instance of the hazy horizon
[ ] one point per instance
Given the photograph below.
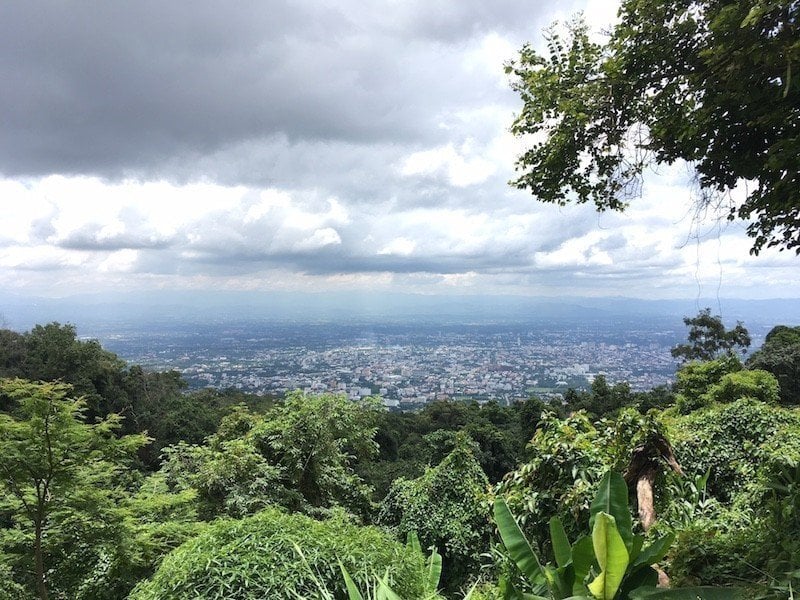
(93, 310)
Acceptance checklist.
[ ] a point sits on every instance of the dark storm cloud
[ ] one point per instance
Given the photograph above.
(118, 88)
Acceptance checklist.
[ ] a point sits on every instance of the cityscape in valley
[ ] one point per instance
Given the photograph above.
(409, 350)
(407, 365)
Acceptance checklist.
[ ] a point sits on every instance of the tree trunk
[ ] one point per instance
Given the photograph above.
(641, 475)
(644, 500)
(41, 584)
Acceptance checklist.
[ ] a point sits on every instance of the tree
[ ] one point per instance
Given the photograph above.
(49, 457)
(12, 353)
(603, 400)
(694, 379)
(708, 338)
(447, 508)
(567, 460)
(53, 352)
(708, 82)
(300, 455)
(314, 441)
(780, 355)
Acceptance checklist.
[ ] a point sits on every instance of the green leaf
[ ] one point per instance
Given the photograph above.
(352, 590)
(385, 592)
(644, 577)
(559, 580)
(515, 542)
(689, 593)
(412, 541)
(655, 551)
(582, 559)
(561, 547)
(612, 556)
(509, 592)
(434, 570)
(636, 547)
(566, 581)
(612, 499)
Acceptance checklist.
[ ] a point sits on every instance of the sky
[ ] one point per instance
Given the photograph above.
(315, 146)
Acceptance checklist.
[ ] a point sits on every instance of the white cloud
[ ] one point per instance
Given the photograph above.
(121, 261)
(490, 55)
(400, 246)
(459, 168)
(319, 239)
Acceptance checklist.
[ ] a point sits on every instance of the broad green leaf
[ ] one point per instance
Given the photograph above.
(612, 499)
(612, 556)
(566, 580)
(434, 570)
(556, 580)
(643, 577)
(412, 541)
(352, 590)
(511, 593)
(515, 542)
(385, 592)
(655, 551)
(561, 547)
(636, 547)
(688, 593)
(582, 559)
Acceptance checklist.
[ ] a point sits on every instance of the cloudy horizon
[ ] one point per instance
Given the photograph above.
(315, 147)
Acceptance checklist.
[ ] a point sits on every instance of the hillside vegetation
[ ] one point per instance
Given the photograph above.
(118, 483)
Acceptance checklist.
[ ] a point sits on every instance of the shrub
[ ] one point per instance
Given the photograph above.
(734, 441)
(694, 379)
(256, 558)
(756, 384)
(447, 508)
(568, 459)
(10, 590)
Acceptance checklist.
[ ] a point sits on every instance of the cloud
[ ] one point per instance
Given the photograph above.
(119, 89)
(459, 170)
(307, 144)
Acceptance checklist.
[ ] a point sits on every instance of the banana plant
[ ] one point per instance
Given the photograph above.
(380, 589)
(612, 563)
(433, 564)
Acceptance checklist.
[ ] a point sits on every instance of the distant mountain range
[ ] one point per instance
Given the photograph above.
(92, 310)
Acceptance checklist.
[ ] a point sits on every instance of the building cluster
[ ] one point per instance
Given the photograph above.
(503, 367)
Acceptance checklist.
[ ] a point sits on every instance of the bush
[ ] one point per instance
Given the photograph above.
(751, 450)
(10, 590)
(694, 379)
(257, 558)
(756, 384)
(780, 355)
(734, 441)
(706, 556)
(568, 459)
(447, 508)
